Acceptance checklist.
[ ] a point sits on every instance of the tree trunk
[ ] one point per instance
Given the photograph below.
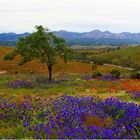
(50, 72)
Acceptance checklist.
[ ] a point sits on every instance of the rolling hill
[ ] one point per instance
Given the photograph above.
(73, 67)
(34, 66)
(129, 57)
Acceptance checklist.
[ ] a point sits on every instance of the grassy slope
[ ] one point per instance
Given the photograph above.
(72, 67)
(70, 88)
(122, 55)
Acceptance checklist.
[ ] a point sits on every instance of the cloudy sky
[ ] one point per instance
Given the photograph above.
(72, 15)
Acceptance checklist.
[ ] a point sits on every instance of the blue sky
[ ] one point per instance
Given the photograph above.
(72, 15)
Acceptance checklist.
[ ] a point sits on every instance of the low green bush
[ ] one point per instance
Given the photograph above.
(96, 74)
(135, 74)
(115, 73)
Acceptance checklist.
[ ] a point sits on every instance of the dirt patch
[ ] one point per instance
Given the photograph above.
(3, 72)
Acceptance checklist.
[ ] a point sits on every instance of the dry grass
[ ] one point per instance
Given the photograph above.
(11, 66)
(35, 66)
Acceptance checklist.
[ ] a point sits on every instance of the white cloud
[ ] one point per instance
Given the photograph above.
(74, 15)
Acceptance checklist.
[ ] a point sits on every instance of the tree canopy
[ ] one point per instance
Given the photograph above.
(44, 46)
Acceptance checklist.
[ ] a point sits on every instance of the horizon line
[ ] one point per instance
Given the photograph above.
(73, 31)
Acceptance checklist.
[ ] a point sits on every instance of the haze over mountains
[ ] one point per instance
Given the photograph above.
(95, 37)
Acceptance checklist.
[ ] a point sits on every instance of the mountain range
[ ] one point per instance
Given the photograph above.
(98, 34)
(95, 37)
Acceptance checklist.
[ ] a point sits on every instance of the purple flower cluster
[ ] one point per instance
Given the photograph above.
(86, 77)
(135, 94)
(67, 117)
(20, 84)
(108, 77)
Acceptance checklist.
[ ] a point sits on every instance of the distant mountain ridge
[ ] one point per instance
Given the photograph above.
(98, 34)
(10, 39)
(12, 36)
(95, 37)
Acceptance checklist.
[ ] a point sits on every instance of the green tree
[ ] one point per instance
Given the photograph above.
(43, 45)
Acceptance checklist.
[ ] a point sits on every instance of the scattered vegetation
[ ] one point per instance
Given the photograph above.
(127, 57)
(82, 100)
(115, 73)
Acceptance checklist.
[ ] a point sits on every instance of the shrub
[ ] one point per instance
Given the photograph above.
(135, 74)
(8, 57)
(96, 74)
(115, 73)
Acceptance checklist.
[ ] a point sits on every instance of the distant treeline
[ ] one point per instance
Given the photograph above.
(101, 41)
(85, 42)
(7, 43)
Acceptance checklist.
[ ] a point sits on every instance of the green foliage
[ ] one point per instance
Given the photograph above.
(115, 73)
(135, 74)
(10, 56)
(65, 52)
(43, 45)
(96, 74)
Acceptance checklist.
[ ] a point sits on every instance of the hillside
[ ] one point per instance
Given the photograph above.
(11, 66)
(129, 57)
(72, 67)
